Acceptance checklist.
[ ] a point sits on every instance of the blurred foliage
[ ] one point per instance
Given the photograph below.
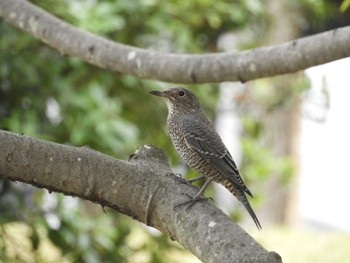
(258, 102)
(62, 99)
(324, 15)
(345, 5)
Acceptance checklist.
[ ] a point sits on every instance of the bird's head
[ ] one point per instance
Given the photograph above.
(179, 99)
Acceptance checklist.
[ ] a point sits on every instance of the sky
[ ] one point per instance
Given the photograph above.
(324, 186)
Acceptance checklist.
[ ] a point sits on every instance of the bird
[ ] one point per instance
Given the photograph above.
(200, 146)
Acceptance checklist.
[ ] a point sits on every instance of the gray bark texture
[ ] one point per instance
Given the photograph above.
(178, 68)
(143, 188)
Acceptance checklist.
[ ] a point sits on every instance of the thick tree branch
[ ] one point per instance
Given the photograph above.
(180, 68)
(143, 188)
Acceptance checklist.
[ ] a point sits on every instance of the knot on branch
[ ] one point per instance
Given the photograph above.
(274, 257)
(149, 153)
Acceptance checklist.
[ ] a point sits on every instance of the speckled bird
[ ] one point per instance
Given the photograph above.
(201, 147)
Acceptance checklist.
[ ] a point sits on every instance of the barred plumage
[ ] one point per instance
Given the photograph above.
(200, 146)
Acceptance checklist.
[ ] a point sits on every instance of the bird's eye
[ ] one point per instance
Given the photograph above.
(181, 93)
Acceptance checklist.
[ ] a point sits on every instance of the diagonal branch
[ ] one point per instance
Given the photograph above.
(143, 188)
(180, 68)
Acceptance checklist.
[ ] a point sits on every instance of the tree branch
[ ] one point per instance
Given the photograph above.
(143, 188)
(180, 68)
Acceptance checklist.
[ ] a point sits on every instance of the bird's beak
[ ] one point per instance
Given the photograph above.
(158, 93)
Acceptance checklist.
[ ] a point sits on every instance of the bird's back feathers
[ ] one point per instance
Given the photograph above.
(209, 145)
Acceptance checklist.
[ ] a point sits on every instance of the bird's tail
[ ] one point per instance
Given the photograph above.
(240, 195)
(251, 212)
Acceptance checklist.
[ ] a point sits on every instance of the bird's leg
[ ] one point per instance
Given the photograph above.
(190, 181)
(197, 197)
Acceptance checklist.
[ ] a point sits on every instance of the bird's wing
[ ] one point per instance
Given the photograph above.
(209, 145)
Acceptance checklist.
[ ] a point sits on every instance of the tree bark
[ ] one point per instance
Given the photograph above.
(280, 125)
(179, 68)
(143, 188)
